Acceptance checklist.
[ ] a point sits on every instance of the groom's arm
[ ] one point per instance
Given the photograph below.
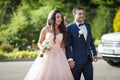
(95, 58)
(68, 47)
(92, 44)
(69, 50)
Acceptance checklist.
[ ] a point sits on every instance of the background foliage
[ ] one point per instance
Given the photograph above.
(22, 20)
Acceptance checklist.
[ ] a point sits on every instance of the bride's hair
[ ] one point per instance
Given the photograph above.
(51, 22)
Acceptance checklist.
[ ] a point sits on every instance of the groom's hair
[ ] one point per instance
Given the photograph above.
(77, 8)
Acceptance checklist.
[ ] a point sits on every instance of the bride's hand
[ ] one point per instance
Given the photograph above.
(50, 49)
(71, 64)
(43, 50)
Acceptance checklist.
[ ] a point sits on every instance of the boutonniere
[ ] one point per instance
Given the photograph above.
(80, 32)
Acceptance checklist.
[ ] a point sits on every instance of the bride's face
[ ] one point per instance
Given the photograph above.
(58, 18)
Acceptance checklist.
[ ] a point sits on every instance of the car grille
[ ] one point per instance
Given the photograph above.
(110, 44)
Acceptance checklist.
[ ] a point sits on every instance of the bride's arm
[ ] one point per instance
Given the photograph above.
(41, 37)
(63, 46)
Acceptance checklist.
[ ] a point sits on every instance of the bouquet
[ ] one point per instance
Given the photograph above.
(80, 32)
(46, 45)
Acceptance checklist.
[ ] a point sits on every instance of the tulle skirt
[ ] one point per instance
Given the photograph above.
(52, 66)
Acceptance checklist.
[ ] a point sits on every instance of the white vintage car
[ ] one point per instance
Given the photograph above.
(109, 48)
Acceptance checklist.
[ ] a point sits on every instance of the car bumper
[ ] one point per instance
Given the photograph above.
(109, 51)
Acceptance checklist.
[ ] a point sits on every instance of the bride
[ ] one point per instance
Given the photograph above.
(53, 65)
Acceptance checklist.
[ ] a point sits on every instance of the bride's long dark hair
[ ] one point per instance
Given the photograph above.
(51, 22)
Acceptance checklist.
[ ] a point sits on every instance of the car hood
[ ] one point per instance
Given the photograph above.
(111, 36)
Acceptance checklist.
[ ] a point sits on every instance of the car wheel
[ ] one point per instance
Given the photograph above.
(110, 62)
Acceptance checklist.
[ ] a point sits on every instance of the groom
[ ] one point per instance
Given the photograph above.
(80, 46)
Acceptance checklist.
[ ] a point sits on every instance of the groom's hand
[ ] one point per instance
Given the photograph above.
(71, 64)
(95, 58)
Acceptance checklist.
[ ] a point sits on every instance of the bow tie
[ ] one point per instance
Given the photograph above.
(81, 24)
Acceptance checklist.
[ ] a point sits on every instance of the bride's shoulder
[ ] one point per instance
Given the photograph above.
(45, 29)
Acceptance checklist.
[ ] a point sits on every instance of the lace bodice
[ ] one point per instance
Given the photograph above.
(58, 40)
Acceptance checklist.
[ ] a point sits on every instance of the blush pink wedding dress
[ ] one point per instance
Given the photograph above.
(53, 65)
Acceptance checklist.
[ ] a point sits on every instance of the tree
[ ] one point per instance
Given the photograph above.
(7, 9)
(116, 24)
(100, 22)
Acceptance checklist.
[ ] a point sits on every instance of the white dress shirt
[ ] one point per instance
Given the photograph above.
(83, 28)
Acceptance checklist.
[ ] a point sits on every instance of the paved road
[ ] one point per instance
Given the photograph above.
(103, 71)
(16, 70)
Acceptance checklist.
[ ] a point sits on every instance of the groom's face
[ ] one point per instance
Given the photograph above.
(79, 15)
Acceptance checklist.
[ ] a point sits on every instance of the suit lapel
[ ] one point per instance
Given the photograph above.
(75, 28)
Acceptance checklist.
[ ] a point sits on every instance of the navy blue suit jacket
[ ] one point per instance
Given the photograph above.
(77, 49)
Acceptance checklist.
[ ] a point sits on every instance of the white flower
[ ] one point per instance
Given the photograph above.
(47, 45)
(80, 32)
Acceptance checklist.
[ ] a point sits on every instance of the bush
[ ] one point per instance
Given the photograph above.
(6, 47)
(19, 55)
(2, 56)
(116, 24)
(97, 42)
